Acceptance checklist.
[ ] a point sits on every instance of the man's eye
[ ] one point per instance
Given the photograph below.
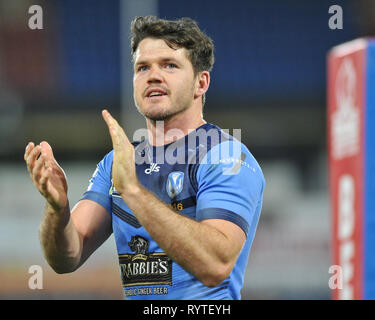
(171, 66)
(142, 68)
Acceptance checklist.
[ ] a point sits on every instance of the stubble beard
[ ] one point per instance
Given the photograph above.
(175, 109)
(166, 115)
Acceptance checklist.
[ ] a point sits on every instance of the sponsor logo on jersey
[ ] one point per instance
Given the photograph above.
(175, 183)
(153, 168)
(142, 267)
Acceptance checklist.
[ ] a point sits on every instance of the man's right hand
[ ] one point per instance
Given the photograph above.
(46, 174)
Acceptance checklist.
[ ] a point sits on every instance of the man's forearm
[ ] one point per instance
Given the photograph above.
(199, 248)
(61, 243)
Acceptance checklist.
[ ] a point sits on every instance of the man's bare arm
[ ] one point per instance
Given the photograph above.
(67, 246)
(67, 238)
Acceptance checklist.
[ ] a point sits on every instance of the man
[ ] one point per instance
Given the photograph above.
(183, 228)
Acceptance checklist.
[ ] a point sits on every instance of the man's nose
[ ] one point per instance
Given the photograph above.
(154, 75)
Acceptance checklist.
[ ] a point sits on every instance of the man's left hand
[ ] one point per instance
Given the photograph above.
(124, 174)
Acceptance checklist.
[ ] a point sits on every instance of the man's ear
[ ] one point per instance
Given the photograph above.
(203, 82)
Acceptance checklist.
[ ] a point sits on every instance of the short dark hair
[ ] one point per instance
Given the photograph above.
(179, 33)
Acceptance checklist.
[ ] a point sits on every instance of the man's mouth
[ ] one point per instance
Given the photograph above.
(155, 93)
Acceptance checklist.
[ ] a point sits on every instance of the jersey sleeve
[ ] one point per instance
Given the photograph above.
(100, 183)
(230, 187)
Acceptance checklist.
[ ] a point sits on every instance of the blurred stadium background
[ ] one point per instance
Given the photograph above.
(269, 79)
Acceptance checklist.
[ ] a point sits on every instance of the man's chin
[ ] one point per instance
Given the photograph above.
(159, 115)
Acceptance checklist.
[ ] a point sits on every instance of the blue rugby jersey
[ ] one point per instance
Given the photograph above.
(205, 175)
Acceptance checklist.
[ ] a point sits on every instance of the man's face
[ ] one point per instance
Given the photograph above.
(164, 82)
